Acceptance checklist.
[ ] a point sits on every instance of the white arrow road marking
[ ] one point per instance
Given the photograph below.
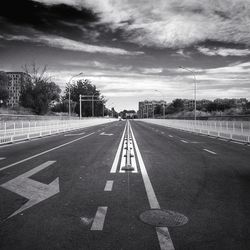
(103, 133)
(32, 190)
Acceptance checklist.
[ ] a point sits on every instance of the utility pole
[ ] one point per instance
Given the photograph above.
(69, 85)
(195, 89)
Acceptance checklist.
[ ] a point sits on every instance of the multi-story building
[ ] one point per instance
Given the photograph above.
(146, 108)
(16, 80)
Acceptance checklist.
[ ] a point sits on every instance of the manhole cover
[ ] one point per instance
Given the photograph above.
(163, 218)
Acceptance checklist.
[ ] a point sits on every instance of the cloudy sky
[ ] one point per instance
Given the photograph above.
(129, 48)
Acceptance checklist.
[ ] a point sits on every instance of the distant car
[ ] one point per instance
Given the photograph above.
(119, 118)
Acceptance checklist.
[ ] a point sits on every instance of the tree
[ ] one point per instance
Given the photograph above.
(4, 93)
(85, 88)
(178, 105)
(38, 93)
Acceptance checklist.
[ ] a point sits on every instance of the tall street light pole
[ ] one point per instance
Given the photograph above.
(195, 89)
(69, 85)
(163, 109)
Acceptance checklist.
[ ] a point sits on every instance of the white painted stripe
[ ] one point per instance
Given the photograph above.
(236, 142)
(162, 232)
(2, 158)
(117, 156)
(123, 161)
(108, 186)
(45, 152)
(99, 219)
(209, 151)
(75, 134)
(164, 238)
(153, 202)
(184, 141)
(170, 136)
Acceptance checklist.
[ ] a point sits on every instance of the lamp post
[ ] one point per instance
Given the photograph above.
(195, 89)
(69, 85)
(163, 109)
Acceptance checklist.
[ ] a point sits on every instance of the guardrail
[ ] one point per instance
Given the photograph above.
(231, 130)
(19, 131)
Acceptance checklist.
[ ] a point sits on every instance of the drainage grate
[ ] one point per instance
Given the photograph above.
(163, 218)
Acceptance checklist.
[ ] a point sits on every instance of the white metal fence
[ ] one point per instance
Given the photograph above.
(232, 130)
(23, 130)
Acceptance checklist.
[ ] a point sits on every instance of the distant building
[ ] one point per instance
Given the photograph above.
(146, 108)
(16, 80)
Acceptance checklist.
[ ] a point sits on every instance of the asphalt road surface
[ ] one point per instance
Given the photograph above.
(125, 185)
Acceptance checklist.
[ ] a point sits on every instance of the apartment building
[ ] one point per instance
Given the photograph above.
(16, 80)
(146, 108)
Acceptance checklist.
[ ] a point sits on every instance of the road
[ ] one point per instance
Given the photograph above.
(70, 191)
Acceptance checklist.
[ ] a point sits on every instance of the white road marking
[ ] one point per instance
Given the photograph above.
(75, 134)
(123, 160)
(108, 186)
(103, 133)
(32, 190)
(162, 232)
(236, 142)
(170, 136)
(2, 158)
(209, 151)
(184, 141)
(45, 152)
(165, 242)
(117, 156)
(99, 219)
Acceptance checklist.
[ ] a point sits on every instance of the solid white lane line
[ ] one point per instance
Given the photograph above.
(153, 202)
(117, 156)
(108, 186)
(170, 136)
(209, 151)
(184, 141)
(2, 158)
(99, 219)
(162, 232)
(45, 152)
(123, 159)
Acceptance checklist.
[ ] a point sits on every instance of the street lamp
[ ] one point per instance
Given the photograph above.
(69, 85)
(195, 89)
(163, 110)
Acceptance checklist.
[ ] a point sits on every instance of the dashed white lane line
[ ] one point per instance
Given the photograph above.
(170, 136)
(108, 186)
(163, 234)
(209, 151)
(184, 141)
(45, 152)
(236, 142)
(117, 156)
(99, 219)
(2, 158)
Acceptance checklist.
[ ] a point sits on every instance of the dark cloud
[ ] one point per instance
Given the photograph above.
(54, 19)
